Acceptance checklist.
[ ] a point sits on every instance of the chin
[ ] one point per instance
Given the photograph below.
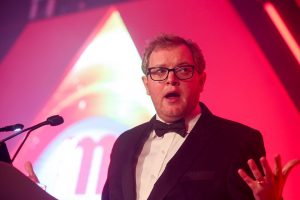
(173, 116)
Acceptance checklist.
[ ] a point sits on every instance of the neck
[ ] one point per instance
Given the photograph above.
(194, 113)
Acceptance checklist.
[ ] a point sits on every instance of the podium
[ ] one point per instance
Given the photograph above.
(4, 155)
(14, 185)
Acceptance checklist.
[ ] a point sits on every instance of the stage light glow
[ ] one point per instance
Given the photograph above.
(100, 97)
(283, 29)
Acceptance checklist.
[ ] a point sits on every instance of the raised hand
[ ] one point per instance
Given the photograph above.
(270, 185)
(30, 172)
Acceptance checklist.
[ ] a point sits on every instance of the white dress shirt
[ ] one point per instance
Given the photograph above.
(156, 153)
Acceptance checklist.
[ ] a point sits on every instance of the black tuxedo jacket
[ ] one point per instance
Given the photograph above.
(204, 168)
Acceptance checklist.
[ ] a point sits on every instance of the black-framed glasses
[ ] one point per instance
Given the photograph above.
(182, 72)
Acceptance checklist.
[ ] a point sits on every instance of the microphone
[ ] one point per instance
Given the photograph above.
(54, 120)
(12, 128)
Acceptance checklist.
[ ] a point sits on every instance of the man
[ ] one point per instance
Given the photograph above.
(200, 155)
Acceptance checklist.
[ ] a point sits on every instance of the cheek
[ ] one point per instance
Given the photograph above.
(155, 91)
(192, 92)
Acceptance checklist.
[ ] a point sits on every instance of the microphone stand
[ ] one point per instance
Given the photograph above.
(30, 129)
(22, 131)
(53, 121)
(21, 145)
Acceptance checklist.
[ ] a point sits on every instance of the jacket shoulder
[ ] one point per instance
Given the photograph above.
(131, 137)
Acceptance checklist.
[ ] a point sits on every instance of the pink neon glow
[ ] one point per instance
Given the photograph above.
(283, 30)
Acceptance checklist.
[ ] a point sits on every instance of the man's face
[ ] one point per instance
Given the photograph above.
(173, 98)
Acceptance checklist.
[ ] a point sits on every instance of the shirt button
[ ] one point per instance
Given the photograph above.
(163, 152)
(152, 176)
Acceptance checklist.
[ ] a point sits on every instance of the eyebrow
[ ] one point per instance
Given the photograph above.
(179, 64)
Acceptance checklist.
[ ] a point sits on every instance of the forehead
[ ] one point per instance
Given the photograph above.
(171, 56)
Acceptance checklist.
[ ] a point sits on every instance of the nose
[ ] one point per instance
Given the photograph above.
(172, 79)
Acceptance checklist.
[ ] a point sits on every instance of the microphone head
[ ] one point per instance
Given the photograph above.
(17, 127)
(55, 120)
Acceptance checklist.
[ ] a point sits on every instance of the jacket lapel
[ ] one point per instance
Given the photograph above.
(197, 140)
(128, 175)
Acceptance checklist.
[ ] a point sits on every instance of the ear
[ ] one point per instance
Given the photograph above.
(202, 80)
(145, 81)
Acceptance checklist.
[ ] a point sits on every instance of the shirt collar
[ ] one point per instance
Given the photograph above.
(191, 120)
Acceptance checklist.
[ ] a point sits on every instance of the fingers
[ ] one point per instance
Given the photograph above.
(246, 178)
(29, 170)
(266, 167)
(278, 165)
(271, 185)
(256, 172)
(289, 166)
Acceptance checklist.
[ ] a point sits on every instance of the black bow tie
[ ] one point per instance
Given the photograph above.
(162, 128)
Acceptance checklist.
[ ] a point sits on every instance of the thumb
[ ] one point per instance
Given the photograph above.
(289, 166)
(29, 170)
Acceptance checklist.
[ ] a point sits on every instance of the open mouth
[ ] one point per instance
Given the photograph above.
(172, 95)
